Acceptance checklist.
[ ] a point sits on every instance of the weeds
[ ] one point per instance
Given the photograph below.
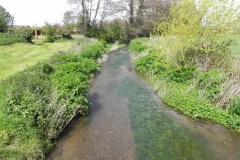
(8, 39)
(199, 90)
(38, 102)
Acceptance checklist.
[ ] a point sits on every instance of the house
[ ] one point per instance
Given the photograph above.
(20, 26)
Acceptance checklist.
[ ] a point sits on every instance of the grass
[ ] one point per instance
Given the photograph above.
(236, 48)
(16, 57)
(46, 101)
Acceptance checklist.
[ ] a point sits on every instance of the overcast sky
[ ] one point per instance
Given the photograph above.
(36, 12)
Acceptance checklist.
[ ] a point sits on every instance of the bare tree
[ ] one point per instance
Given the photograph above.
(144, 14)
(139, 15)
(109, 10)
(87, 12)
(67, 18)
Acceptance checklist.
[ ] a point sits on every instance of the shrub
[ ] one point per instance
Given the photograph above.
(26, 96)
(235, 106)
(94, 51)
(181, 74)
(85, 66)
(234, 111)
(151, 63)
(49, 31)
(66, 33)
(211, 83)
(137, 45)
(68, 58)
(8, 39)
(23, 33)
(111, 33)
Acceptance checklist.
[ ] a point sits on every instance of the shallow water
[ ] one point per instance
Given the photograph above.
(128, 121)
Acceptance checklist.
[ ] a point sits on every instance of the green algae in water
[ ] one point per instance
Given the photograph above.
(114, 67)
(111, 86)
(158, 136)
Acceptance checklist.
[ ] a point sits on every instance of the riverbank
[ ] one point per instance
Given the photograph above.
(38, 102)
(197, 93)
(127, 120)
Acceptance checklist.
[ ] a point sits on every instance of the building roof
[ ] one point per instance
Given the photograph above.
(21, 26)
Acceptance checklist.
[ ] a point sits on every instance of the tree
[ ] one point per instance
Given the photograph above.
(67, 18)
(92, 13)
(140, 16)
(143, 15)
(49, 31)
(196, 28)
(6, 19)
(86, 11)
(201, 16)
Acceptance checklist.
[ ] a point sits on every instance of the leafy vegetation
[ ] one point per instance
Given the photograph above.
(6, 19)
(49, 32)
(9, 39)
(94, 52)
(23, 33)
(66, 33)
(195, 72)
(38, 102)
(137, 46)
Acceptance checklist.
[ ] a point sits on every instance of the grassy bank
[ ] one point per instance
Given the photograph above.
(204, 90)
(16, 57)
(39, 101)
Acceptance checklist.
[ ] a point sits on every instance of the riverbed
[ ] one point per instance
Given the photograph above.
(128, 121)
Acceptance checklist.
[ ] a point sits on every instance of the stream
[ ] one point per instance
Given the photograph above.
(128, 121)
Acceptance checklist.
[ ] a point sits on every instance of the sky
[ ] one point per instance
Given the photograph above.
(36, 12)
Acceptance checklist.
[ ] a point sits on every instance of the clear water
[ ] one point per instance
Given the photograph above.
(128, 121)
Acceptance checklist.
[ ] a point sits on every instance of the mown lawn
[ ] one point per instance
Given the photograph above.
(16, 57)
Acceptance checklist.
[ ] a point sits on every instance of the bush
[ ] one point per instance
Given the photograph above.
(137, 45)
(27, 95)
(234, 111)
(151, 63)
(181, 74)
(66, 33)
(8, 39)
(49, 31)
(23, 33)
(94, 51)
(211, 83)
(157, 65)
(111, 33)
(235, 106)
